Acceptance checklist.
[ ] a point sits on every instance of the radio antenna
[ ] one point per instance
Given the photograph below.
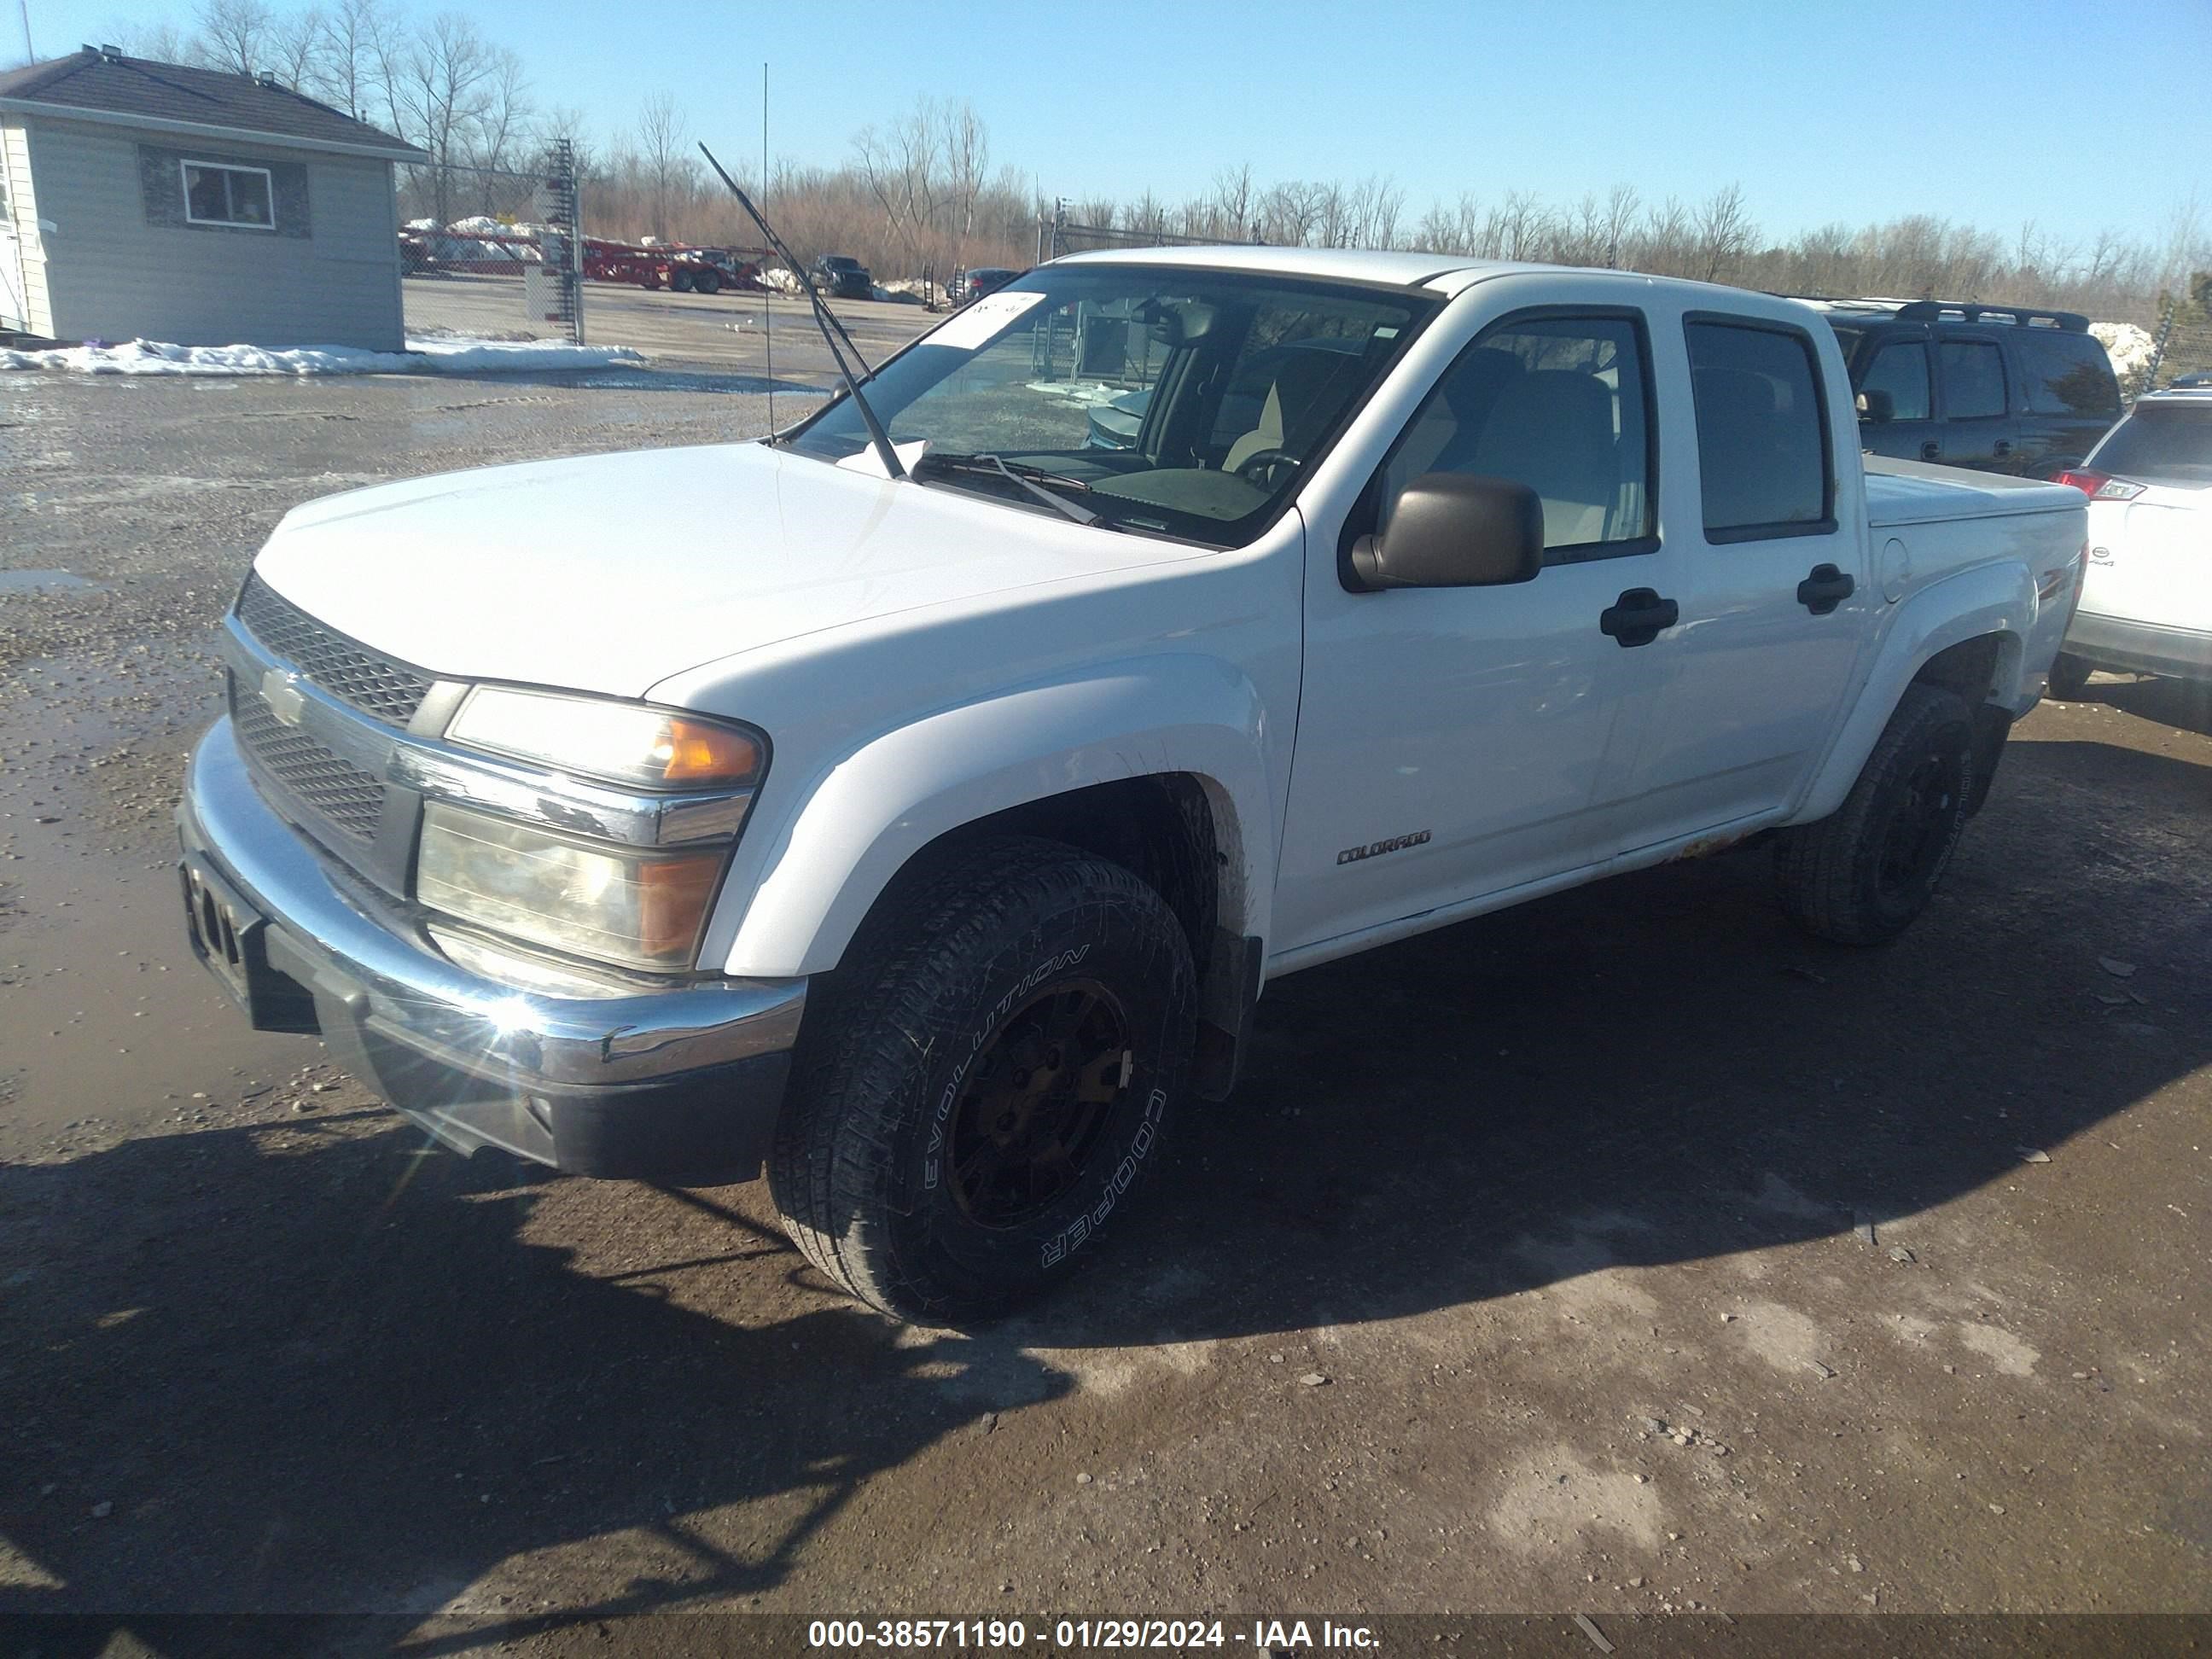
(826, 320)
(768, 301)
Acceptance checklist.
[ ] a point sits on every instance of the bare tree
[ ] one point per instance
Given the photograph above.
(1723, 233)
(503, 115)
(347, 68)
(443, 82)
(664, 139)
(295, 50)
(1231, 214)
(238, 35)
(1622, 204)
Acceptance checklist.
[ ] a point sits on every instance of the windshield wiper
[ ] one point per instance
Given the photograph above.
(1031, 478)
(832, 330)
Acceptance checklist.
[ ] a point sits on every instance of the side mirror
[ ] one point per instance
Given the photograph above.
(1452, 529)
(1877, 408)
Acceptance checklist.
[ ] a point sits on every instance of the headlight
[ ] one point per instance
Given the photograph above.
(618, 904)
(622, 742)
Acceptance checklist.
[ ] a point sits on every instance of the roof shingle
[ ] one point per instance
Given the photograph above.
(93, 81)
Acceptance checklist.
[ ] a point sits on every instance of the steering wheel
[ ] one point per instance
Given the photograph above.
(1260, 468)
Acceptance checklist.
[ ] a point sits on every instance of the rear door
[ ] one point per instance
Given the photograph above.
(2068, 397)
(1773, 593)
(1975, 395)
(1895, 374)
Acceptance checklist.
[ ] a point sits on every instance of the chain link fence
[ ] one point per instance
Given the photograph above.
(493, 253)
(2181, 352)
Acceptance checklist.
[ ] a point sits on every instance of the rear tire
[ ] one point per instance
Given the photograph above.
(707, 282)
(984, 1080)
(2070, 676)
(1862, 875)
(680, 282)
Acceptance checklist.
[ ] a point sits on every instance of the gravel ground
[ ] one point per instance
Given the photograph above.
(1623, 1254)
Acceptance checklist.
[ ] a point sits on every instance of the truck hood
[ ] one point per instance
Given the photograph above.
(610, 573)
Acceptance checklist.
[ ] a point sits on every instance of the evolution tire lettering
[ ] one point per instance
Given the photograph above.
(932, 1166)
(1375, 849)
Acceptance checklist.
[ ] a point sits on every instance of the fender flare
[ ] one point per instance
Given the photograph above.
(805, 888)
(1990, 599)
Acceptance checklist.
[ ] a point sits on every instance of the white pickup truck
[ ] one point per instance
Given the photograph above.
(923, 823)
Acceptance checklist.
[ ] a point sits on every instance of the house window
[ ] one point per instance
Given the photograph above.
(216, 194)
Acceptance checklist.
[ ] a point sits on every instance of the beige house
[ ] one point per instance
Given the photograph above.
(154, 201)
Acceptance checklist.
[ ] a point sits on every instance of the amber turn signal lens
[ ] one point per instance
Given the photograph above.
(689, 753)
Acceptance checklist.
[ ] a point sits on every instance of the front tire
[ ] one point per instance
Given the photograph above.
(1862, 875)
(984, 1080)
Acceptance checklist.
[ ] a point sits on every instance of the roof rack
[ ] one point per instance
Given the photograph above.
(1928, 311)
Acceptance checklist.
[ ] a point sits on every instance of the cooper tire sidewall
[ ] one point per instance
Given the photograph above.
(929, 1225)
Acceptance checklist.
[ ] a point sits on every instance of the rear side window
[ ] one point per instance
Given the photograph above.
(1900, 373)
(1974, 379)
(2066, 374)
(1762, 431)
(2160, 443)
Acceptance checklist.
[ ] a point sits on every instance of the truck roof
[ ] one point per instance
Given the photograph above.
(1344, 264)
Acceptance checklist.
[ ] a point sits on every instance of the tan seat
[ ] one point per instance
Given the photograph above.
(1552, 430)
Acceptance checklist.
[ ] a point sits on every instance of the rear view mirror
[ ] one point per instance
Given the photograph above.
(1877, 408)
(1452, 529)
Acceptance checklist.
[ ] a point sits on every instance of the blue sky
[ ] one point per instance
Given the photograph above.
(2073, 115)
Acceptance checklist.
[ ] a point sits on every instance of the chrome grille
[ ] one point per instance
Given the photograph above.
(341, 793)
(364, 679)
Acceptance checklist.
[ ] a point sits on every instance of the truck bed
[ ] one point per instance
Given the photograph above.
(1921, 492)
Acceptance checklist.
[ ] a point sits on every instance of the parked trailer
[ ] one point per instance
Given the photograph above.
(683, 269)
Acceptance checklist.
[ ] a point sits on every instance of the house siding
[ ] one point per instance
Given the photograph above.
(114, 272)
(23, 205)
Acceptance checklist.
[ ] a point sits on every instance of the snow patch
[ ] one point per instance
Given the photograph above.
(2129, 347)
(423, 356)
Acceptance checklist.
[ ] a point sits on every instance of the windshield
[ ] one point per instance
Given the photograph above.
(1176, 402)
(2160, 443)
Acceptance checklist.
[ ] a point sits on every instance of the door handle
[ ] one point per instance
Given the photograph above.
(1637, 616)
(2002, 446)
(1931, 451)
(1824, 589)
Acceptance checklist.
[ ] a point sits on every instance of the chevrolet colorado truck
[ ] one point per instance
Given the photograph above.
(922, 825)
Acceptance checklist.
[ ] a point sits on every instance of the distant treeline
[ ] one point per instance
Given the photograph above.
(922, 191)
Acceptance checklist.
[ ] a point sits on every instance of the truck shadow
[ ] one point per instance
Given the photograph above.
(311, 1371)
(301, 1370)
(1659, 1068)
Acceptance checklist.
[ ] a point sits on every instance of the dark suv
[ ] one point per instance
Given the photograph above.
(2000, 388)
(841, 278)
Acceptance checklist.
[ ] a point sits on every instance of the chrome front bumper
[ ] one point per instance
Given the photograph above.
(682, 1084)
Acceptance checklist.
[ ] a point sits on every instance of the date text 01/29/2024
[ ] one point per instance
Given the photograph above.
(1264, 1635)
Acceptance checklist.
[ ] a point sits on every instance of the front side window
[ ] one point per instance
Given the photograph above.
(2067, 374)
(1900, 373)
(1185, 402)
(1559, 403)
(220, 195)
(1974, 379)
(1763, 462)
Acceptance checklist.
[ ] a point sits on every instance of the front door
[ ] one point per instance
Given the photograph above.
(1454, 742)
(1773, 596)
(1898, 389)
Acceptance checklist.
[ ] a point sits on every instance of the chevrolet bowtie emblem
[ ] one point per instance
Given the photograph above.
(281, 691)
